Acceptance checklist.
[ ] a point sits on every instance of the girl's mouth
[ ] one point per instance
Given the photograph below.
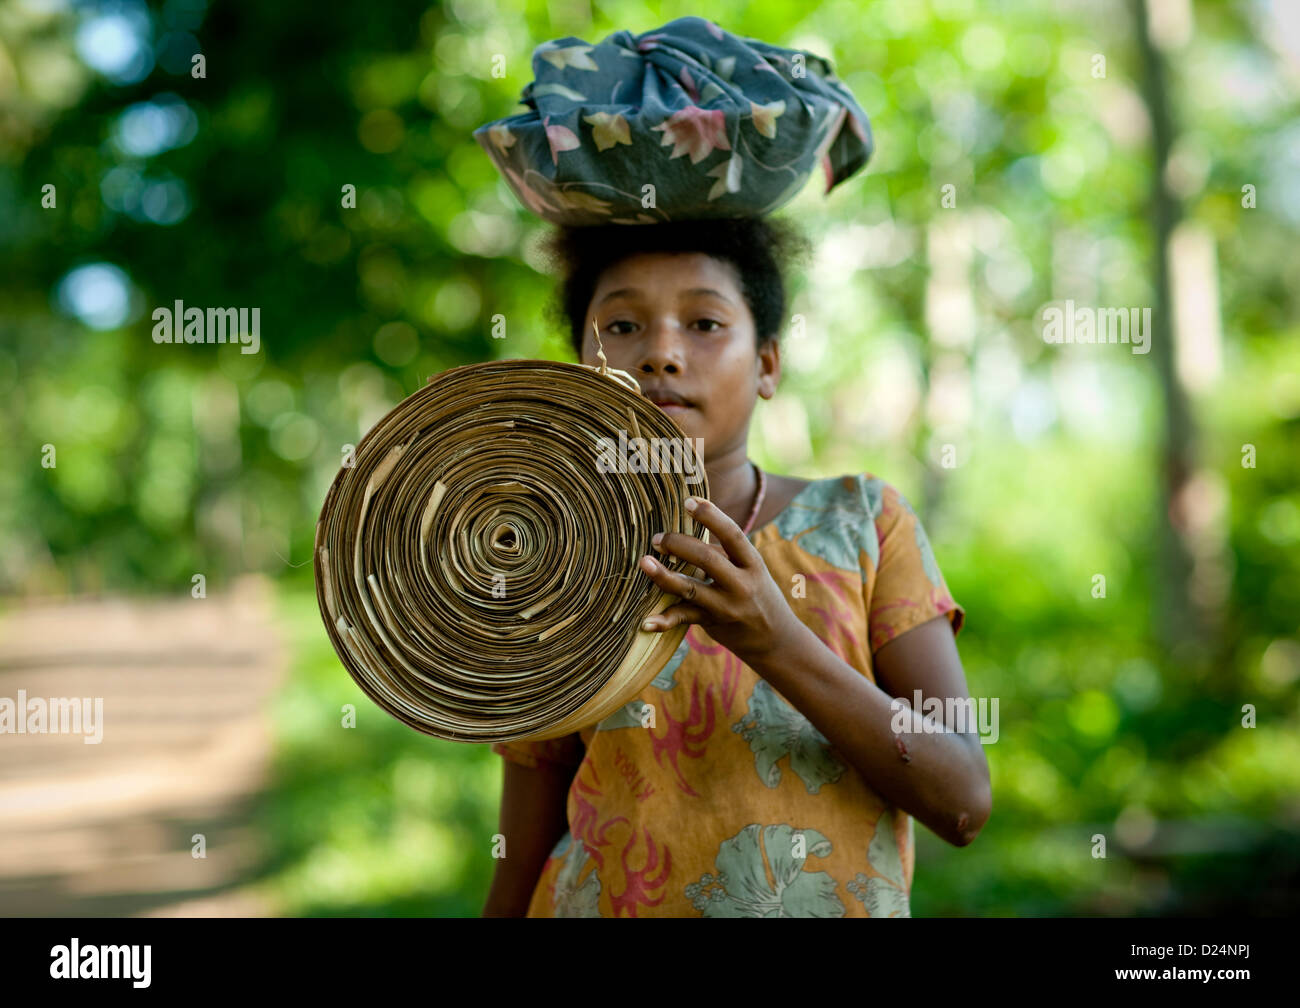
(669, 402)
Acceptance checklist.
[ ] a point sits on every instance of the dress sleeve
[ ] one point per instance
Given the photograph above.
(909, 588)
(565, 752)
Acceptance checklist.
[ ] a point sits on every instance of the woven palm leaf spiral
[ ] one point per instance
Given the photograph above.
(478, 574)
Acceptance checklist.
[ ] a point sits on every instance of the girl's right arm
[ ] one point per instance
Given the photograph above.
(533, 818)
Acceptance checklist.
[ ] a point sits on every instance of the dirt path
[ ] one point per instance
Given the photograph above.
(107, 828)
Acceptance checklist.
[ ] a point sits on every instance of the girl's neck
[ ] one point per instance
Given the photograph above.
(733, 484)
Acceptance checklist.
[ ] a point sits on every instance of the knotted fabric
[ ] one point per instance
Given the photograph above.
(684, 122)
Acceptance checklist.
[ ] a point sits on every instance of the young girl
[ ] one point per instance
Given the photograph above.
(768, 770)
(770, 781)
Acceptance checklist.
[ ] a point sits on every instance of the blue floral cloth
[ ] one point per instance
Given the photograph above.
(683, 122)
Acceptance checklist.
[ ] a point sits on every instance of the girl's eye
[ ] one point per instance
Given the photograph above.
(613, 327)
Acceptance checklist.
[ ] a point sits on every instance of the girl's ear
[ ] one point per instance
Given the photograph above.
(769, 368)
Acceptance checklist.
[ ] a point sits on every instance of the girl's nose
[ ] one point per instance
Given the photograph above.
(662, 348)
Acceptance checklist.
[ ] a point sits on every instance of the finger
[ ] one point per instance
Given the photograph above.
(688, 589)
(725, 531)
(675, 615)
(712, 560)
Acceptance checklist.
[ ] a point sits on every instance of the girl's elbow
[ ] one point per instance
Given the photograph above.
(975, 814)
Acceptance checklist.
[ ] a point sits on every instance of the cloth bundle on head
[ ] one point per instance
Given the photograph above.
(476, 565)
(718, 125)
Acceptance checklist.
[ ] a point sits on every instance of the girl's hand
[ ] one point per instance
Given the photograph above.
(740, 605)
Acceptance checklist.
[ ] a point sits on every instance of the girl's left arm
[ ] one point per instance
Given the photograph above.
(922, 765)
(928, 768)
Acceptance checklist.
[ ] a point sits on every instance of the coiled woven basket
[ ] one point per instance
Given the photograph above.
(476, 571)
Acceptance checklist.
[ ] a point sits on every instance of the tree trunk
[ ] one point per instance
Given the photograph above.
(1175, 613)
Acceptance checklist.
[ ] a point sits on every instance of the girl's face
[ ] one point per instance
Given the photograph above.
(678, 323)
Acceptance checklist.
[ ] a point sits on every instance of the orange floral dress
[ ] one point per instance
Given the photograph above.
(710, 795)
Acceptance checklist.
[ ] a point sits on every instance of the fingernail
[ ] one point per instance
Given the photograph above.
(648, 625)
(656, 539)
(649, 563)
(691, 503)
